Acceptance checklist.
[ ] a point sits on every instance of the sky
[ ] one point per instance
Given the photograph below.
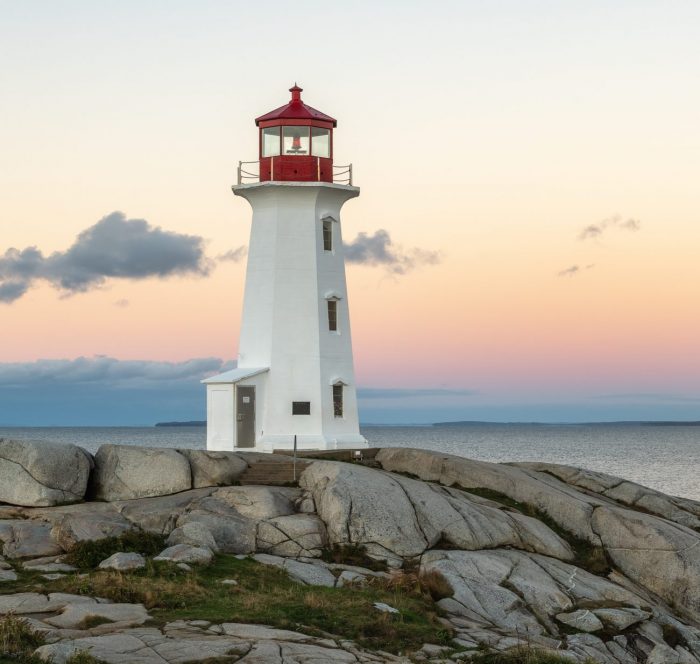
(525, 246)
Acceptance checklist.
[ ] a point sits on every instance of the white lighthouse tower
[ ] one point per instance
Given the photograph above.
(295, 376)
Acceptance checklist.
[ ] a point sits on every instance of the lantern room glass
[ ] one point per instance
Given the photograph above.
(270, 141)
(320, 142)
(295, 140)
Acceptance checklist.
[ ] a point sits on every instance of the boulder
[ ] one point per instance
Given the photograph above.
(38, 474)
(74, 614)
(89, 525)
(570, 508)
(582, 620)
(184, 553)
(293, 536)
(194, 534)
(681, 510)
(159, 515)
(621, 619)
(259, 502)
(232, 532)
(520, 592)
(7, 575)
(123, 472)
(27, 539)
(660, 555)
(123, 562)
(311, 574)
(214, 468)
(363, 506)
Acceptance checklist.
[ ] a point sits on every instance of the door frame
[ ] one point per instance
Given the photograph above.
(255, 415)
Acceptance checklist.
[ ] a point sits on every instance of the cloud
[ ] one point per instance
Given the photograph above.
(569, 271)
(122, 303)
(595, 231)
(12, 290)
(234, 255)
(108, 372)
(378, 249)
(114, 248)
(573, 270)
(407, 393)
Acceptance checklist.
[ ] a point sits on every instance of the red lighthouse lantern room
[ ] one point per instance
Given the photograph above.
(296, 143)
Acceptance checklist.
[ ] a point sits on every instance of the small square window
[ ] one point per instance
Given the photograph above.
(301, 408)
(327, 235)
(333, 315)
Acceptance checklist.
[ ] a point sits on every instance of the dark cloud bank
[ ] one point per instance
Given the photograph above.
(115, 247)
(120, 248)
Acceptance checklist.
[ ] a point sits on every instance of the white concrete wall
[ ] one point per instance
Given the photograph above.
(285, 324)
(221, 429)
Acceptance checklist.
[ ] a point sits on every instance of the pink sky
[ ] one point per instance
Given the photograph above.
(490, 136)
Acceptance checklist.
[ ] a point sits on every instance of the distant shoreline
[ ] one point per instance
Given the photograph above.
(639, 423)
(642, 423)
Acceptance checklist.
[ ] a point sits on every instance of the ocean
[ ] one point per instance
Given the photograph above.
(666, 458)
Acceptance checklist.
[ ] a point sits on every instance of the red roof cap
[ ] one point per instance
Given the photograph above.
(296, 109)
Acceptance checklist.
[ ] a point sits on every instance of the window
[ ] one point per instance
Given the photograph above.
(333, 315)
(295, 140)
(270, 141)
(338, 400)
(320, 142)
(328, 235)
(301, 408)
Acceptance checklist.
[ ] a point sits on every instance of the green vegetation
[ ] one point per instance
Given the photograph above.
(266, 595)
(18, 641)
(89, 554)
(521, 655)
(83, 657)
(586, 555)
(352, 554)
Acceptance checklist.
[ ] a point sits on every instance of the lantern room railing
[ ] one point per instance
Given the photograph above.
(247, 175)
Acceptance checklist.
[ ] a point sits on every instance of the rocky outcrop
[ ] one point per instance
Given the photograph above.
(39, 474)
(214, 468)
(123, 472)
(662, 556)
(539, 555)
(396, 517)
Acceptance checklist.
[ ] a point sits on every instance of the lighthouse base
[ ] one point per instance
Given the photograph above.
(341, 442)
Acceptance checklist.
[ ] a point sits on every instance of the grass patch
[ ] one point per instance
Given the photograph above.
(159, 586)
(588, 556)
(18, 641)
(266, 595)
(89, 554)
(352, 554)
(83, 657)
(93, 621)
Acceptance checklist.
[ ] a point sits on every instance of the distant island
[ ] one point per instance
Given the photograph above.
(191, 423)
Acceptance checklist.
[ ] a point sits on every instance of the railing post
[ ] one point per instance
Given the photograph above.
(240, 163)
(350, 173)
(272, 168)
(318, 168)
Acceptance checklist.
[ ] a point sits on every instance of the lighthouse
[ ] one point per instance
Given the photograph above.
(294, 382)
